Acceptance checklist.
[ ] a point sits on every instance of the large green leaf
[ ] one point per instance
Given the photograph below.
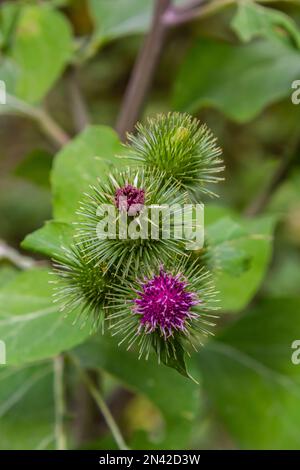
(27, 407)
(51, 240)
(40, 49)
(252, 20)
(35, 167)
(114, 19)
(241, 250)
(120, 17)
(7, 273)
(238, 80)
(176, 397)
(250, 378)
(89, 156)
(285, 276)
(30, 323)
(223, 237)
(254, 249)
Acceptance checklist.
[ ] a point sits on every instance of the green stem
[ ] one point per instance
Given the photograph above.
(60, 437)
(51, 128)
(58, 136)
(101, 404)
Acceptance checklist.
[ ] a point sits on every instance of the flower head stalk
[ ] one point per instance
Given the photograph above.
(170, 306)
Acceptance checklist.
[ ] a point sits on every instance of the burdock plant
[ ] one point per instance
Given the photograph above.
(176, 144)
(80, 284)
(124, 206)
(151, 291)
(170, 310)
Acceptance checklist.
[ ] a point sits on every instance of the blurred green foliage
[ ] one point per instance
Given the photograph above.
(233, 68)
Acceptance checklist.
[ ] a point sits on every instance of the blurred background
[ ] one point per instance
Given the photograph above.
(67, 64)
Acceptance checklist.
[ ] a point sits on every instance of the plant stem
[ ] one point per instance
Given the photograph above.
(61, 441)
(58, 136)
(77, 104)
(16, 258)
(51, 128)
(143, 72)
(86, 425)
(176, 16)
(101, 404)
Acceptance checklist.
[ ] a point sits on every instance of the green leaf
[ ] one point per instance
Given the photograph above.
(253, 20)
(120, 17)
(240, 251)
(41, 48)
(8, 16)
(225, 229)
(30, 324)
(231, 259)
(89, 156)
(50, 240)
(175, 359)
(285, 276)
(7, 273)
(26, 407)
(250, 378)
(208, 77)
(237, 291)
(176, 397)
(36, 168)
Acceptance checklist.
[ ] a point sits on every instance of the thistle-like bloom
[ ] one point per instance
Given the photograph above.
(169, 309)
(164, 303)
(130, 199)
(176, 144)
(80, 285)
(132, 195)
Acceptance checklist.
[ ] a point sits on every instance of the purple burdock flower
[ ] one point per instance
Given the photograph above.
(130, 199)
(164, 303)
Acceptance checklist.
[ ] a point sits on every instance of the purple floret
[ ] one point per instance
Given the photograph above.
(130, 199)
(164, 303)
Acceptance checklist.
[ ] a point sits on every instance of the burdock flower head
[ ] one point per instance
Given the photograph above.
(164, 303)
(118, 226)
(169, 311)
(178, 145)
(130, 199)
(80, 285)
